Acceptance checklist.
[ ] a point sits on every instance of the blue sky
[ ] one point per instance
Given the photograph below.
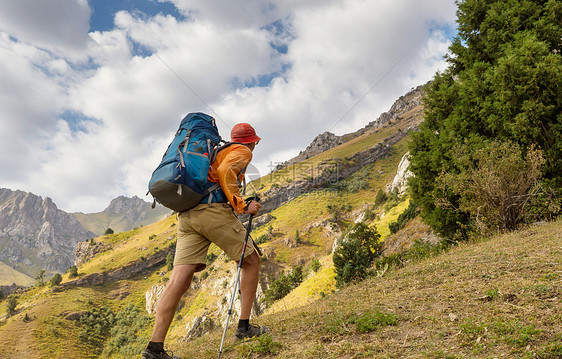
(103, 11)
(98, 87)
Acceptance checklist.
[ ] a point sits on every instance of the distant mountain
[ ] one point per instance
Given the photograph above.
(122, 214)
(35, 234)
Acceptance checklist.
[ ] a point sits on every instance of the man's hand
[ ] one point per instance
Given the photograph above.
(253, 208)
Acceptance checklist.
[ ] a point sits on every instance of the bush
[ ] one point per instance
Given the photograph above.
(55, 280)
(120, 332)
(495, 184)
(39, 281)
(11, 304)
(281, 286)
(357, 250)
(380, 197)
(392, 200)
(170, 261)
(109, 231)
(263, 345)
(211, 258)
(262, 239)
(409, 213)
(373, 320)
(72, 272)
(315, 265)
(126, 336)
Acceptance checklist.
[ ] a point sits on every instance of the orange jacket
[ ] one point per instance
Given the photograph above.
(228, 168)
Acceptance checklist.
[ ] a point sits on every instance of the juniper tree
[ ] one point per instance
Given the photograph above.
(503, 83)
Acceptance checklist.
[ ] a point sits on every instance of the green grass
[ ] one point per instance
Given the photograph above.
(433, 307)
(130, 246)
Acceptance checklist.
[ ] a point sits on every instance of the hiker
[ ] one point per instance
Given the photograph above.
(213, 221)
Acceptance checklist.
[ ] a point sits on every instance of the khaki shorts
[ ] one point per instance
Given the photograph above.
(206, 224)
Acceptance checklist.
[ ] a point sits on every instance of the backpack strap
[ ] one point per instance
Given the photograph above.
(212, 189)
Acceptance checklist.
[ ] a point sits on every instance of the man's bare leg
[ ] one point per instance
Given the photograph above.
(249, 283)
(178, 284)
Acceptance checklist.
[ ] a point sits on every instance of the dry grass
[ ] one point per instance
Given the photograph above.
(492, 298)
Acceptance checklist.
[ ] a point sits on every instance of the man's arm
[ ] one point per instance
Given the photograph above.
(228, 171)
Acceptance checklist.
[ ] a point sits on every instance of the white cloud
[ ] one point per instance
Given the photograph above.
(123, 106)
(57, 25)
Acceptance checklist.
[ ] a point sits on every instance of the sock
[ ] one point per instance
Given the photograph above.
(157, 347)
(244, 324)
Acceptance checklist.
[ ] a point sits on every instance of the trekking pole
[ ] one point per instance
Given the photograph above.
(237, 281)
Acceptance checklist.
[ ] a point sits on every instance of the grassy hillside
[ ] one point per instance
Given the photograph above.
(8, 275)
(491, 298)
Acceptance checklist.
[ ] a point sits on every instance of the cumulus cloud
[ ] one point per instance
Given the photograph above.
(57, 25)
(92, 113)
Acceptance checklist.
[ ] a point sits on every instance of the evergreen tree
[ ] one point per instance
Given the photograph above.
(353, 257)
(504, 83)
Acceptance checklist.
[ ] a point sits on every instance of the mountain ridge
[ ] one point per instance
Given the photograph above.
(36, 235)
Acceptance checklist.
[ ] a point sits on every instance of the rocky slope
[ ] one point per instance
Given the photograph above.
(405, 115)
(328, 140)
(35, 234)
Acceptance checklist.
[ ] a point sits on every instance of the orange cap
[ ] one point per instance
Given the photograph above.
(244, 133)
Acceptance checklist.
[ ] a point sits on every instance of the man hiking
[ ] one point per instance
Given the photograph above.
(213, 221)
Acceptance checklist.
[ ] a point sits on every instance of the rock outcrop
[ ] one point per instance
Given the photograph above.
(400, 181)
(152, 296)
(35, 234)
(326, 172)
(88, 250)
(321, 143)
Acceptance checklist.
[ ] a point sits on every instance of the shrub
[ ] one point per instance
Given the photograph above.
(109, 231)
(170, 261)
(126, 336)
(11, 304)
(55, 280)
(409, 213)
(373, 320)
(151, 237)
(392, 200)
(495, 184)
(121, 332)
(211, 258)
(380, 197)
(263, 345)
(39, 281)
(315, 265)
(262, 239)
(72, 272)
(281, 286)
(353, 257)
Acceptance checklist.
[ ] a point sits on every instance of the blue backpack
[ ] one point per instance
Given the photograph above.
(180, 181)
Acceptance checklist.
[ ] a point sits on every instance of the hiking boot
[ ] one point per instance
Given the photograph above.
(252, 331)
(149, 354)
